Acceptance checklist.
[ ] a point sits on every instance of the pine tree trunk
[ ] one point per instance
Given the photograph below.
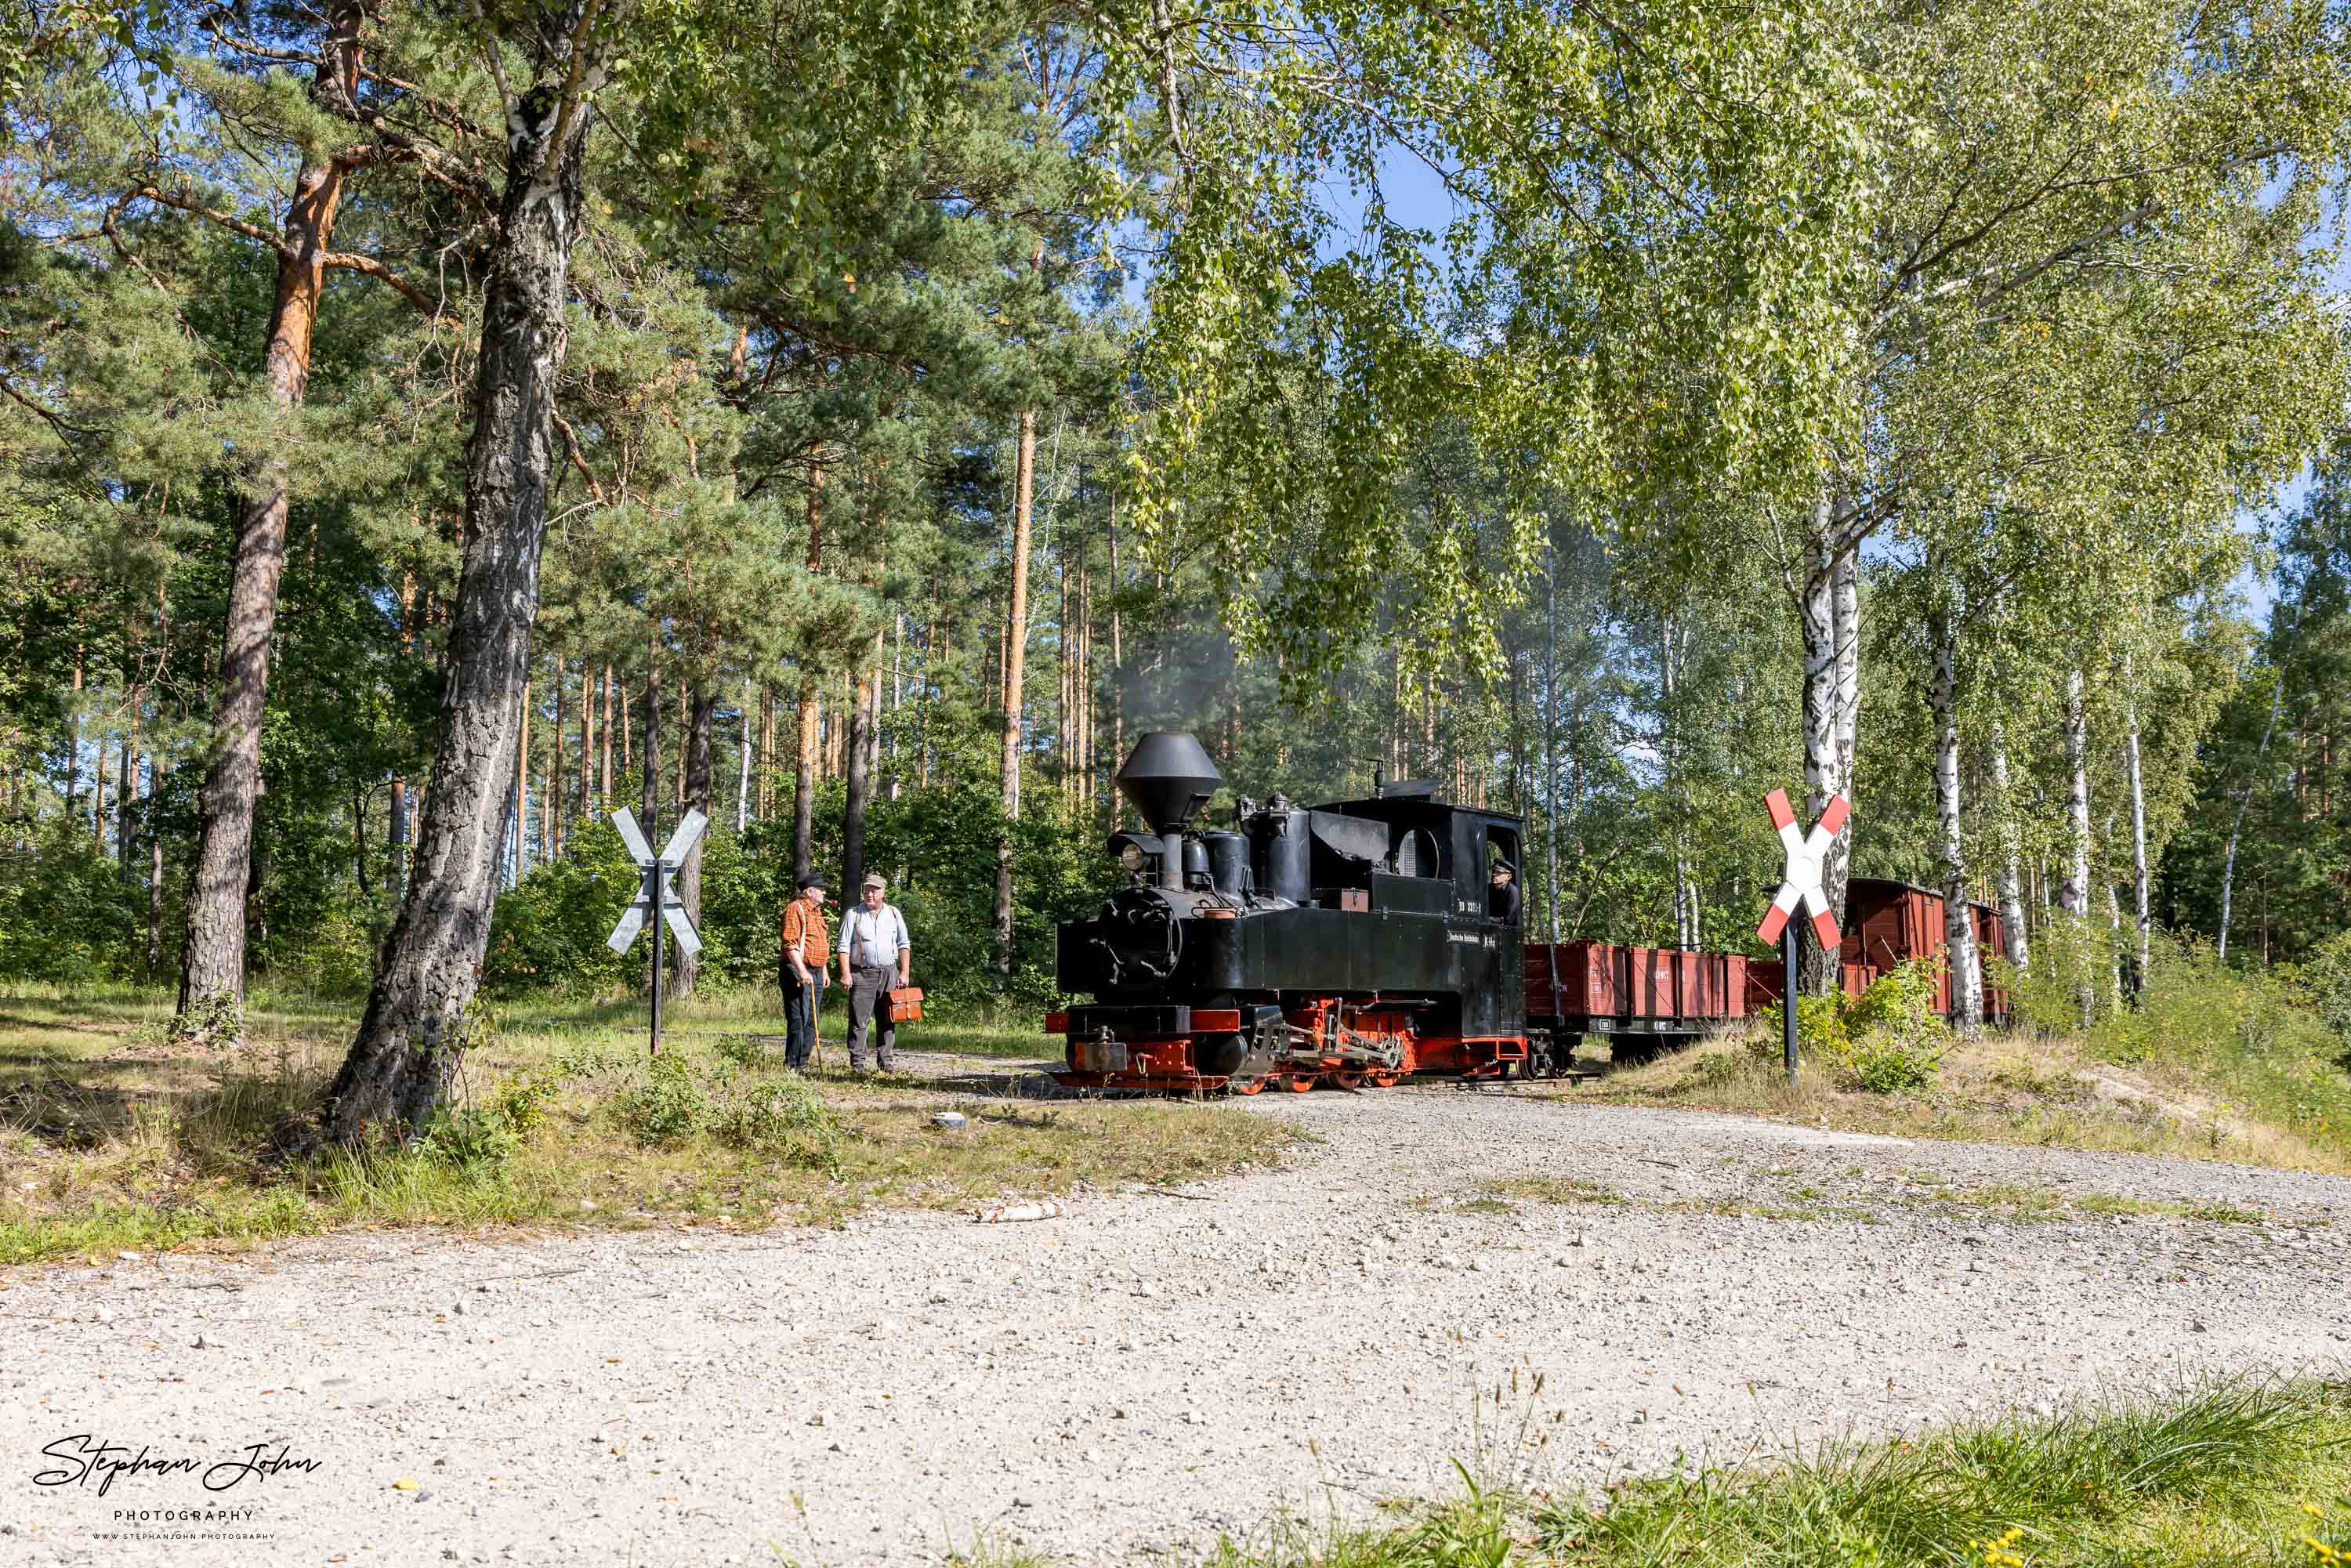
(649, 749)
(604, 749)
(1016, 651)
(1831, 614)
(522, 778)
(551, 798)
(804, 760)
(702, 718)
(212, 970)
(1959, 913)
(401, 1062)
(858, 783)
(2012, 916)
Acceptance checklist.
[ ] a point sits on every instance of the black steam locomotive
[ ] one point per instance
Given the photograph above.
(1353, 942)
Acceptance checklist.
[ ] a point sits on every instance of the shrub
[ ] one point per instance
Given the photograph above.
(1888, 1040)
(667, 1104)
(2072, 978)
(787, 1120)
(2326, 981)
(1896, 1039)
(479, 1140)
(743, 1050)
(1820, 1031)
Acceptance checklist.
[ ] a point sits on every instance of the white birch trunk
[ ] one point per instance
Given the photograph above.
(2075, 895)
(2138, 861)
(743, 765)
(1958, 914)
(1831, 612)
(2011, 857)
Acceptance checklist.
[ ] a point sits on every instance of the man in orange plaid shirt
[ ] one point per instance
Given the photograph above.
(803, 944)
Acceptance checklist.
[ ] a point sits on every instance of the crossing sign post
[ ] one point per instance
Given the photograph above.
(656, 903)
(1800, 882)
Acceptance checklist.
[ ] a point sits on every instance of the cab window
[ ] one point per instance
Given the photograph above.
(1505, 894)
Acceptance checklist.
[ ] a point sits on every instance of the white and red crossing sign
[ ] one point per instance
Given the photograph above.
(1806, 852)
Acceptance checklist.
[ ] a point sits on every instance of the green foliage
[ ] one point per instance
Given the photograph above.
(666, 1103)
(1887, 1040)
(2325, 979)
(2261, 1035)
(68, 915)
(786, 1120)
(1821, 1033)
(2071, 980)
(1896, 1039)
(475, 1139)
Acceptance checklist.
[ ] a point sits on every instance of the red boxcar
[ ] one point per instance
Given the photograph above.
(1991, 942)
(1897, 921)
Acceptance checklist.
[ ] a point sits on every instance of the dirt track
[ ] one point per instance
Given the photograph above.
(1147, 1370)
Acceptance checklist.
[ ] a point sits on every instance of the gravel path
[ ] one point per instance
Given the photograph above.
(1147, 1370)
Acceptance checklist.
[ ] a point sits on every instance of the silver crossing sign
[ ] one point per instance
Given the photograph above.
(656, 903)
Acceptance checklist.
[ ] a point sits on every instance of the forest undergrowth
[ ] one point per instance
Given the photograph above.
(114, 1138)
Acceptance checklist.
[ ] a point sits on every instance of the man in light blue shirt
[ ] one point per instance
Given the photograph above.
(874, 957)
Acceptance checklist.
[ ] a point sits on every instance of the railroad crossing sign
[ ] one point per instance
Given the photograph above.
(1800, 883)
(1801, 880)
(656, 903)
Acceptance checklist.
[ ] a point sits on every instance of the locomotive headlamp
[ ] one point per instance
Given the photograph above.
(1130, 851)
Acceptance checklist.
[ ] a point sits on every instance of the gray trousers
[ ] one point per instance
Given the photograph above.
(869, 993)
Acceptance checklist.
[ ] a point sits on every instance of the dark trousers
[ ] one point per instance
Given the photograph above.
(869, 996)
(799, 1020)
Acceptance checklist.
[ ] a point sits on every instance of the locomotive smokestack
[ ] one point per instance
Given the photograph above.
(1168, 777)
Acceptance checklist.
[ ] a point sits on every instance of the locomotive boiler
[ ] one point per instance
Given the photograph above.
(1351, 942)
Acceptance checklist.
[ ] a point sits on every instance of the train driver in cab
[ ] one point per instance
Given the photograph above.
(1502, 893)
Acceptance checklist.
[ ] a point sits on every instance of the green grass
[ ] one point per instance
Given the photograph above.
(2227, 1474)
(1554, 1189)
(112, 1138)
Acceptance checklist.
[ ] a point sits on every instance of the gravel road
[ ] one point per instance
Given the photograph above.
(1146, 1371)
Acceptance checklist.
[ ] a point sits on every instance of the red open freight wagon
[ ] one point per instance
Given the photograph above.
(1643, 999)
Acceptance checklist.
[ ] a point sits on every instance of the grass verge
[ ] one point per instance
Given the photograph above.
(2249, 1474)
(2007, 1088)
(114, 1139)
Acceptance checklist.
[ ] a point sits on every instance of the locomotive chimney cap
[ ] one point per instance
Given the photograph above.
(1168, 777)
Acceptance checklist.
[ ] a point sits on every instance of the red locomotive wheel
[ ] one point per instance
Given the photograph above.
(1300, 1082)
(1348, 1080)
(1244, 1085)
